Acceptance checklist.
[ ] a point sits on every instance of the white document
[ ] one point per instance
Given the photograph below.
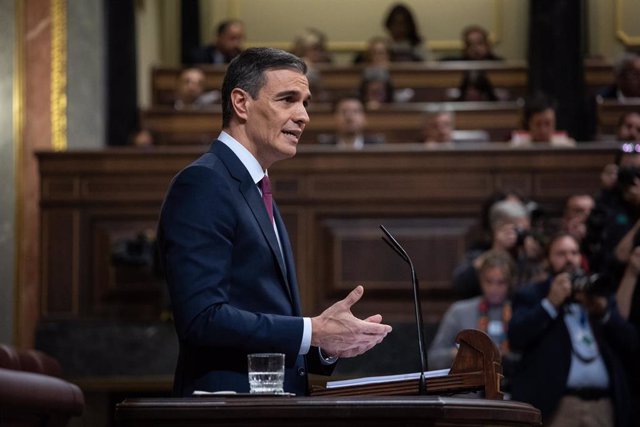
(386, 379)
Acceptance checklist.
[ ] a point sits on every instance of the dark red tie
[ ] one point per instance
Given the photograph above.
(267, 197)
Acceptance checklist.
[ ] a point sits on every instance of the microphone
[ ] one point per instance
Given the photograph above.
(397, 248)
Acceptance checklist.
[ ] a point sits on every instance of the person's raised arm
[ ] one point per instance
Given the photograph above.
(628, 283)
(624, 247)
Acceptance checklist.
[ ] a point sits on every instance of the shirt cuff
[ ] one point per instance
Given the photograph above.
(549, 308)
(305, 345)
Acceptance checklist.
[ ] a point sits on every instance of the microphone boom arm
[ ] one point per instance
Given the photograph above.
(393, 243)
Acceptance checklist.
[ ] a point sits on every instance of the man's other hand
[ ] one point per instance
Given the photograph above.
(560, 289)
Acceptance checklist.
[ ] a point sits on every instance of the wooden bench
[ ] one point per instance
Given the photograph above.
(430, 80)
(397, 122)
(610, 111)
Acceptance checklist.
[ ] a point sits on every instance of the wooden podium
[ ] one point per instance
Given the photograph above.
(476, 367)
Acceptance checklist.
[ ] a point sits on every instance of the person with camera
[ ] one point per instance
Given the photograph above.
(628, 298)
(510, 228)
(573, 342)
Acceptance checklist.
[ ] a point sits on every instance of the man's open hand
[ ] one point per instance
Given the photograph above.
(339, 333)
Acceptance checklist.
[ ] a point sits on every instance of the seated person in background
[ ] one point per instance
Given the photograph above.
(377, 54)
(476, 46)
(489, 312)
(438, 129)
(539, 124)
(475, 87)
(229, 39)
(190, 92)
(311, 47)
(627, 156)
(573, 345)
(574, 216)
(406, 43)
(627, 83)
(141, 138)
(376, 88)
(351, 120)
(629, 127)
(510, 232)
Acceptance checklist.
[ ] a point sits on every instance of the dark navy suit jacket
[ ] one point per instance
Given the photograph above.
(232, 290)
(546, 350)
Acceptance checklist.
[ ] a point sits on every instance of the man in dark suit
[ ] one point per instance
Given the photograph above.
(573, 345)
(627, 83)
(229, 39)
(227, 256)
(350, 120)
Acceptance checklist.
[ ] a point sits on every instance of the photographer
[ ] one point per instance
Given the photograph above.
(614, 222)
(628, 298)
(573, 342)
(510, 232)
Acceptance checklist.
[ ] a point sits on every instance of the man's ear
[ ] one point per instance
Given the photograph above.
(239, 102)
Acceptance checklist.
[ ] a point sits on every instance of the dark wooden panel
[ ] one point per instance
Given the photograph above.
(60, 188)
(122, 188)
(356, 254)
(125, 280)
(332, 201)
(610, 111)
(60, 275)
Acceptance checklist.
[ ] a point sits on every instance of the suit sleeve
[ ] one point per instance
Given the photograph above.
(197, 231)
(530, 320)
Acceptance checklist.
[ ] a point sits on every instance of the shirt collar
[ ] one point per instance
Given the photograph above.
(247, 159)
(358, 142)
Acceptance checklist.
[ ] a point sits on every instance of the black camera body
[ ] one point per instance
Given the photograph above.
(593, 284)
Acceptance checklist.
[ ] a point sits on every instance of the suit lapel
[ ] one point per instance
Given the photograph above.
(288, 260)
(250, 192)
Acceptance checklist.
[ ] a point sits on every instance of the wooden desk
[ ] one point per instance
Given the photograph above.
(397, 122)
(610, 111)
(324, 411)
(430, 80)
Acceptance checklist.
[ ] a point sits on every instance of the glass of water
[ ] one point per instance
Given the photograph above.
(266, 373)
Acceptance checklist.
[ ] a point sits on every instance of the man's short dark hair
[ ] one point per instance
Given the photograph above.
(344, 98)
(535, 104)
(247, 72)
(474, 29)
(222, 27)
(554, 238)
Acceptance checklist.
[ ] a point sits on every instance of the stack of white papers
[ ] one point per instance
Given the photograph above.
(386, 379)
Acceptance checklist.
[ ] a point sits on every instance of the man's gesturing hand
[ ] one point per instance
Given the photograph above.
(339, 333)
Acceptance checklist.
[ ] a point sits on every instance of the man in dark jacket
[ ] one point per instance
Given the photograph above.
(573, 344)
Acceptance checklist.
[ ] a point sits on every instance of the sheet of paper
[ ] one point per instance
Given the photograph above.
(386, 379)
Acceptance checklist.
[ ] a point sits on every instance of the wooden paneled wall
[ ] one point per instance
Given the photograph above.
(332, 201)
